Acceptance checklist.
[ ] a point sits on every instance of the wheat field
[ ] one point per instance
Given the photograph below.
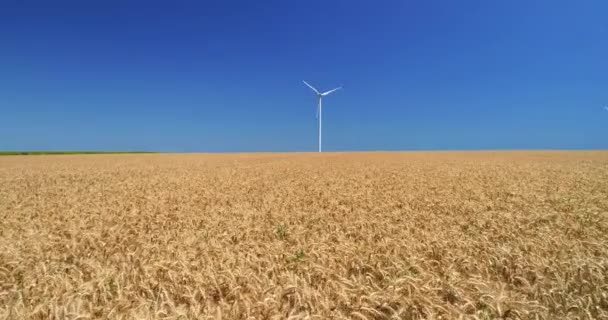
(404, 235)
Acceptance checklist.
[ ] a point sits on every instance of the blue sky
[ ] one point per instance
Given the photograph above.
(215, 76)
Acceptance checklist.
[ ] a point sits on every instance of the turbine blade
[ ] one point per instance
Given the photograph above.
(313, 89)
(330, 91)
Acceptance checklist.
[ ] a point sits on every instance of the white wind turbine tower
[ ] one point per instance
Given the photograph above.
(320, 95)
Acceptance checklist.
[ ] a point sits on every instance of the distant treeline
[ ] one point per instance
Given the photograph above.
(27, 153)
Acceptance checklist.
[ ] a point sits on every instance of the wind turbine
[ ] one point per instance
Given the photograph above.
(320, 95)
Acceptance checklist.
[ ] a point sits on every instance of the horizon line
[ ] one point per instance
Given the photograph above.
(75, 151)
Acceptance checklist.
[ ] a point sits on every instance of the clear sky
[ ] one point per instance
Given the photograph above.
(227, 75)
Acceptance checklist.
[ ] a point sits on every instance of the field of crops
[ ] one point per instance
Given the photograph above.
(414, 235)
